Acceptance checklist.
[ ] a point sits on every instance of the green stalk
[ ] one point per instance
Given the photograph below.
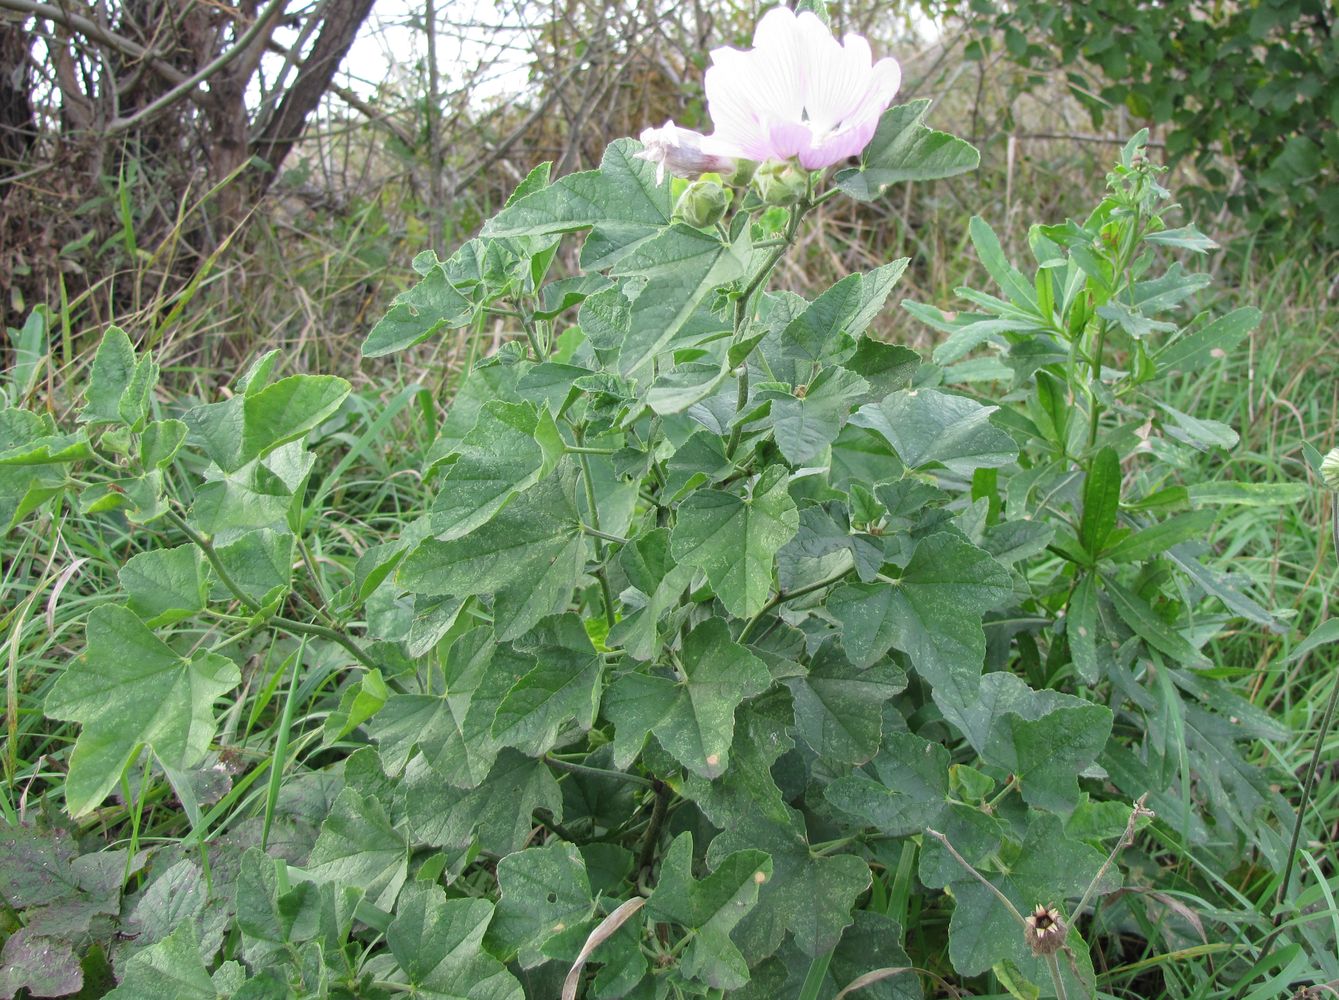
(606, 592)
(743, 303)
(288, 624)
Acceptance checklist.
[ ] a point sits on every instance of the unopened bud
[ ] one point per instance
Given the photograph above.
(779, 183)
(702, 204)
(1329, 469)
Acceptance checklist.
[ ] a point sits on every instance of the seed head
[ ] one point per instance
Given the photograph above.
(1045, 931)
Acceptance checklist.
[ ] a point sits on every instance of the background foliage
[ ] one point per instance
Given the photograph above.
(1244, 91)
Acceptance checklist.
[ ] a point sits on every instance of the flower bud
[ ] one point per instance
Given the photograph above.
(1329, 469)
(702, 204)
(779, 183)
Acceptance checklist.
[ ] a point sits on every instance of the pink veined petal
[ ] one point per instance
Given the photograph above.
(886, 78)
(733, 111)
(798, 93)
(787, 139)
(839, 79)
(838, 146)
(777, 66)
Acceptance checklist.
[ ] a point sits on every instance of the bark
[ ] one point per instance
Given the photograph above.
(342, 19)
(18, 131)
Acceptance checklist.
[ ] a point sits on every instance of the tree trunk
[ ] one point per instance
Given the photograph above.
(342, 19)
(18, 131)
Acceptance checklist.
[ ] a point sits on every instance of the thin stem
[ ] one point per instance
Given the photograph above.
(1126, 839)
(572, 449)
(1009, 786)
(1056, 978)
(207, 547)
(782, 596)
(596, 772)
(742, 308)
(1013, 910)
(606, 536)
(288, 624)
(605, 591)
(647, 855)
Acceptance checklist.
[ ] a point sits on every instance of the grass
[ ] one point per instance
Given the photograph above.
(309, 286)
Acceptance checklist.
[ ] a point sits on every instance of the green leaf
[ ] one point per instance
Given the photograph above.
(497, 812)
(886, 367)
(45, 967)
(439, 945)
(839, 707)
(848, 307)
(803, 428)
(359, 702)
(1043, 738)
(1047, 868)
(903, 149)
(1082, 629)
(1217, 339)
(933, 614)
(735, 540)
(416, 314)
(129, 689)
(1324, 633)
(453, 730)
(532, 553)
(247, 427)
(287, 410)
(511, 447)
(901, 791)
(358, 846)
(563, 687)
(160, 442)
(112, 372)
(709, 909)
(1146, 623)
(266, 927)
(165, 585)
(927, 426)
(172, 969)
(1101, 501)
(260, 563)
(691, 715)
(621, 200)
(545, 893)
(649, 567)
(680, 267)
(1157, 539)
(1021, 292)
(810, 896)
(1184, 238)
(1249, 494)
(684, 385)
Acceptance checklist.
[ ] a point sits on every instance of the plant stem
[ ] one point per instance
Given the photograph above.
(1013, 910)
(288, 624)
(647, 855)
(605, 591)
(742, 309)
(1126, 839)
(782, 596)
(596, 772)
(1054, 966)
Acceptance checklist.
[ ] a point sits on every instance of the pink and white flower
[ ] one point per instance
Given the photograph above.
(797, 93)
(682, 152)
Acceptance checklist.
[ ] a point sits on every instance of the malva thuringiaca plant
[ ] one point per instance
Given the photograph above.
(727, 650)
